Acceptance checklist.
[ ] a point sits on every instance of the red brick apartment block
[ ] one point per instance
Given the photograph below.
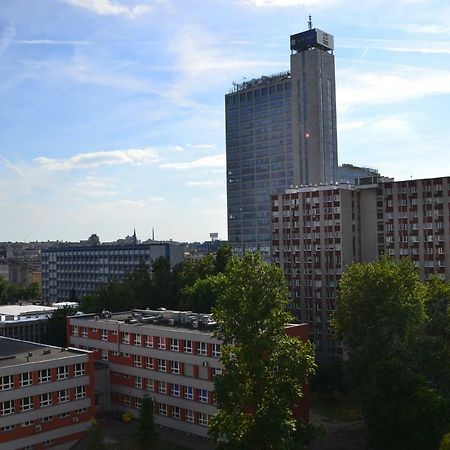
(46, 395)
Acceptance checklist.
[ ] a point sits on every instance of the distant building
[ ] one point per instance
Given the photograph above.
(319, 231)
(280, 132)
(348, 173)
(71, 271)
(172, 356)
(27, 322)
(20, 272)
(46, 395)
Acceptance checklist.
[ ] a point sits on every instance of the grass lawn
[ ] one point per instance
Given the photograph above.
(339, 409)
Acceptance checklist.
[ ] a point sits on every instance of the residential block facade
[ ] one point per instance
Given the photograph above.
(46, 395)
(318, 231)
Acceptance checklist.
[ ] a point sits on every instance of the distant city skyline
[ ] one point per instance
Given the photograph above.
(112, 112)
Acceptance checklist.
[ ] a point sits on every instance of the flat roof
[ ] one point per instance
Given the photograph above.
(14, 352)
(21, 310)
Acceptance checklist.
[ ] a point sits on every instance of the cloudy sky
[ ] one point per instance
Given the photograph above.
(112, 115)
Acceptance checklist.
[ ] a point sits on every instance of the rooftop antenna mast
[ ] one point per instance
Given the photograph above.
(309, 23)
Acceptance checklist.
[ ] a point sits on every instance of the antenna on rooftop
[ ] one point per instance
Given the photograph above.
(309, 23)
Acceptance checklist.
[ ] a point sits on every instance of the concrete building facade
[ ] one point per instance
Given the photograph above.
(46, 395)
(319, 231)
(81, 269)
(280, 131)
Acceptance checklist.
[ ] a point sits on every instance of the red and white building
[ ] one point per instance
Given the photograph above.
(318, 231)
(46, 395)
(171, 356)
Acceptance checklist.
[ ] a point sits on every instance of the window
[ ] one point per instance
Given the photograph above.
(203, 397)
(125, 338)
(137, 339)
(44, 376)
(149, 363)
(162, 365)
(138, 382)
(126, 400)
(216, 350)
(149, 341)
(161, 343)
(7, 407)
(6, 382)
(47, 419)
(189, 416)
(46, 399)
(63, 414)
(189, 393)
(26, 403)
(187, 346)
(150, 385)
(114, 332)
(79, 370)
(7, 428)
(163, 409)
(203, 419)
(84, 332)
(175, 367)
(63, 372)
(63, 396)
(137, 361)
(138, 402)
(26, 379)
(27, 423)
(176, 412)
(74, 330)
(105, 355)
(175, 346)
(162, 387)
(217, 371)
(176, 390)
(202, 348)
(80, 392)
(104, 335)
(49, 443)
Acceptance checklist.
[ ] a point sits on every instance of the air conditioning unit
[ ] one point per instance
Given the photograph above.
(75, 419)
(38, 428)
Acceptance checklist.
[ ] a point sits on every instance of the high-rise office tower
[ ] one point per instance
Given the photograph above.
(280, 132)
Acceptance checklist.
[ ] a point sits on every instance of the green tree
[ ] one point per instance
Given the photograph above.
(224, 254)
(57, 327)
(95, 437)
(202, 296)
(264, 369)
(381, 317)
(147, 434)
(3, 291)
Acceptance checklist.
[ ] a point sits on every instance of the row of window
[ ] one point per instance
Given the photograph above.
(175, 412)
(30, 423)
(158, 342)
(27, 403)
(44, 376)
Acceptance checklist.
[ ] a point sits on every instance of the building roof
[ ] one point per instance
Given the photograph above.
(14, 352)
(24, 310)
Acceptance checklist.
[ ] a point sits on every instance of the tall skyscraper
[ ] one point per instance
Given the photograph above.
(280, 132)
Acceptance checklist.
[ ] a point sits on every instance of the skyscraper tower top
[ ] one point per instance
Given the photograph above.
(313, 38)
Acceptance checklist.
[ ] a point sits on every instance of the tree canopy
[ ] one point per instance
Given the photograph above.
(264, 369)
(392, 324)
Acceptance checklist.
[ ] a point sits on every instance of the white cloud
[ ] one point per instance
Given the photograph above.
(109, 8)
(6, 38)
(93, 160)
(396, 45)
(287, 3)
(358, 87)
(201, 163)
(205, 183)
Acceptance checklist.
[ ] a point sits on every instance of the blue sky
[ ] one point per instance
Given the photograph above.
(112, 111)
